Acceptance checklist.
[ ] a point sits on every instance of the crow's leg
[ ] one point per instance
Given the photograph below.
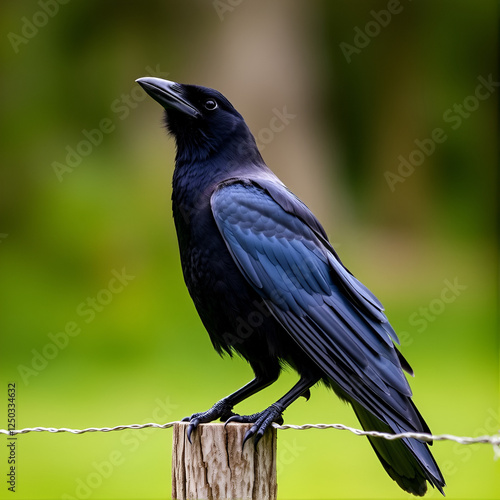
(264, 419)
(223, 408)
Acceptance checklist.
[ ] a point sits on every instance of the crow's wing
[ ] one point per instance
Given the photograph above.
(283, 252)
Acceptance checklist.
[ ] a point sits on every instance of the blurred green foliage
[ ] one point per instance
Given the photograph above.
(144, 355)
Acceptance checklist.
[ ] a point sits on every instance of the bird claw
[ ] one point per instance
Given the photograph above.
(221, 409)
(261, 422)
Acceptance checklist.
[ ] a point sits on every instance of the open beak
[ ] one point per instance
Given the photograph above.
(168, 94)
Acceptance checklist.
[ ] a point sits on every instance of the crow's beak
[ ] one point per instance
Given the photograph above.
(168, 94)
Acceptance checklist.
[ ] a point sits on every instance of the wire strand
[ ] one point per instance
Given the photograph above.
(492, 440)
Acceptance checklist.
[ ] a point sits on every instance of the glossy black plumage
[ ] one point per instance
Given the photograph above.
(267, 284)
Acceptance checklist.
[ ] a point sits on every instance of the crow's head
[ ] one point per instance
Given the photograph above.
(201, 119)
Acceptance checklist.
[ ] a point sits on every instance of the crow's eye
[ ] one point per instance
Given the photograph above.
(210, 104)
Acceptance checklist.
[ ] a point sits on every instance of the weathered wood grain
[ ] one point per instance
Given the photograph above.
(214, 466)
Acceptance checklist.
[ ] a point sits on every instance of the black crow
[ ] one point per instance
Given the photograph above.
(268, 285)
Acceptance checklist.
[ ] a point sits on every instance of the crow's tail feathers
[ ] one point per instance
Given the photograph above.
(408, 461)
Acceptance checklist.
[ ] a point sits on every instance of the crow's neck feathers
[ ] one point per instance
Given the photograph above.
(202, 160)
(200, 167)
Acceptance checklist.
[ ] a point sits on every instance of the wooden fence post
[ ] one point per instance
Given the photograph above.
(215, 467)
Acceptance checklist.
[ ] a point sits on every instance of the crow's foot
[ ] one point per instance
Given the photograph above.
(221, 409)
(260, 420)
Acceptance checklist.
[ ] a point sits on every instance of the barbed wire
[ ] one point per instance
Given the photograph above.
(492, 440)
